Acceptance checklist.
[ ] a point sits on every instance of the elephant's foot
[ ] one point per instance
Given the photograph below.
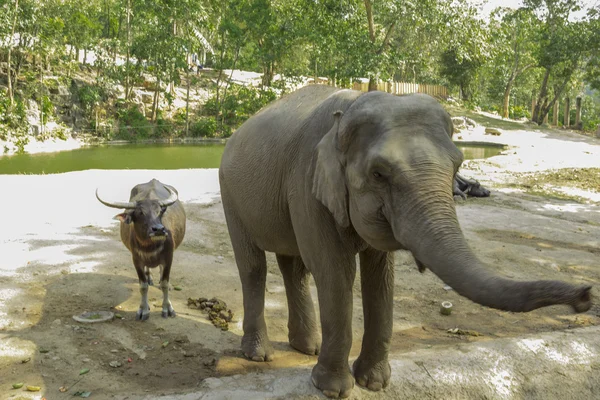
(334, 384)
(305, 341)
(372, 375)
(256, 347)
(142, 314)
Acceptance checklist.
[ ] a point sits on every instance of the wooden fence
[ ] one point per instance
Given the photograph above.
(399, 88)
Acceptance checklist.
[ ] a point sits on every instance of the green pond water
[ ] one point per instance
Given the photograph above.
(146, 156)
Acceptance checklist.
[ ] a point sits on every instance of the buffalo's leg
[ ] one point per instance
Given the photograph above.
(252, 267)
(456, 189)
(149, 276)
(470, 186)
(143, 312)
(302, 323)
(371, 368)
(167, 307)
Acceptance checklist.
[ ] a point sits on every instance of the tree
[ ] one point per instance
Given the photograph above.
(563, 48)
(466, 48)
(10, 45)
(513, 45)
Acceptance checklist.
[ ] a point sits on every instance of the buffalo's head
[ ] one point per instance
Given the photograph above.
(146, 215)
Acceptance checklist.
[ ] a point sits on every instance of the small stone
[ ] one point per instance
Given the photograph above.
(56, 322)
(114, 351)
(212, 383)
(446, 287)
(492, 131)
(85, 360)
(115, 364)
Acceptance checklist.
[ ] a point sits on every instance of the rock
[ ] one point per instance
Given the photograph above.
(458, 122)
(212, 383)
(115, 364)
(470, 123)
(64, 91)
(492, 131)
(598, 132)
(147, 98)
(56, 322)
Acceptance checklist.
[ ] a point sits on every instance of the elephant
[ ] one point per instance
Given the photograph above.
(323, 174)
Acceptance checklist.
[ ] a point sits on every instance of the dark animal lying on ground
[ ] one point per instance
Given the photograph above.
(463, 186)
(152, 227)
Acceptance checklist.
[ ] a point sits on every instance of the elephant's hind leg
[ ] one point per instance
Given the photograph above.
(302, 323)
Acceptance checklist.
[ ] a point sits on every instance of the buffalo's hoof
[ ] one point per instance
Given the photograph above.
(169, 313)
(142, 315)
(334, 384)
(150, 281)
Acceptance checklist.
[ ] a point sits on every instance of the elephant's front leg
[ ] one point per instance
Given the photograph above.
(334, 278)
(371, 368)
(302, 322)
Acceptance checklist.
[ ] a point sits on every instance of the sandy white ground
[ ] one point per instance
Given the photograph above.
(61, 255)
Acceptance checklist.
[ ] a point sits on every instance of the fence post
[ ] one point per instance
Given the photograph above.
(566, 117)
(578, 113)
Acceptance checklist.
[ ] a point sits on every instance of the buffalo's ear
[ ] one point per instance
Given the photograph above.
(124, 217)
(329, 184)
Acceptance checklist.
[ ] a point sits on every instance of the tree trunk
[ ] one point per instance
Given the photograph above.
(372, 83)
(506, 100)
(237, 53)
(127, 89)
(9, 70)
(155, 100)
(187, 101)
(537, 116)
(221, 58)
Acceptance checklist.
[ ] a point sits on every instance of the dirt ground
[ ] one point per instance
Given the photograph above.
(62, 256)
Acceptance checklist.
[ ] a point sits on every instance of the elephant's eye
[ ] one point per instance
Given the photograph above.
(377, 175)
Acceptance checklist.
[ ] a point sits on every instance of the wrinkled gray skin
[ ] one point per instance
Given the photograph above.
(316, 189)
(152, 232)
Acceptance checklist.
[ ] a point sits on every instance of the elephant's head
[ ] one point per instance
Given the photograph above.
(386, 168)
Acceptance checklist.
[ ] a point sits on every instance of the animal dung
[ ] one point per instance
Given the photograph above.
(446, 308)
(217, 311)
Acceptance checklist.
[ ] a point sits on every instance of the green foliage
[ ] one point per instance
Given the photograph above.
(90, 96)
(47, 108)
(240, 103)
(430, 41)
(205, 127)
(590, 112)
(518, 112)
(133, 125)
(13, 122)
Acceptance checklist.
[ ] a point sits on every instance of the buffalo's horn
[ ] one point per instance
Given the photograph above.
(128, 206)
(172, 198)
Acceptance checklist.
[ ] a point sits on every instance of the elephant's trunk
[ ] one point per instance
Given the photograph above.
(436, 240)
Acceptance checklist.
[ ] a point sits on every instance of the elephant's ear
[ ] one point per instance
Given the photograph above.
(329, 185)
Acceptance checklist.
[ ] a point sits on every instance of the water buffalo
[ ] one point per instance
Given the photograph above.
(152, 227)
